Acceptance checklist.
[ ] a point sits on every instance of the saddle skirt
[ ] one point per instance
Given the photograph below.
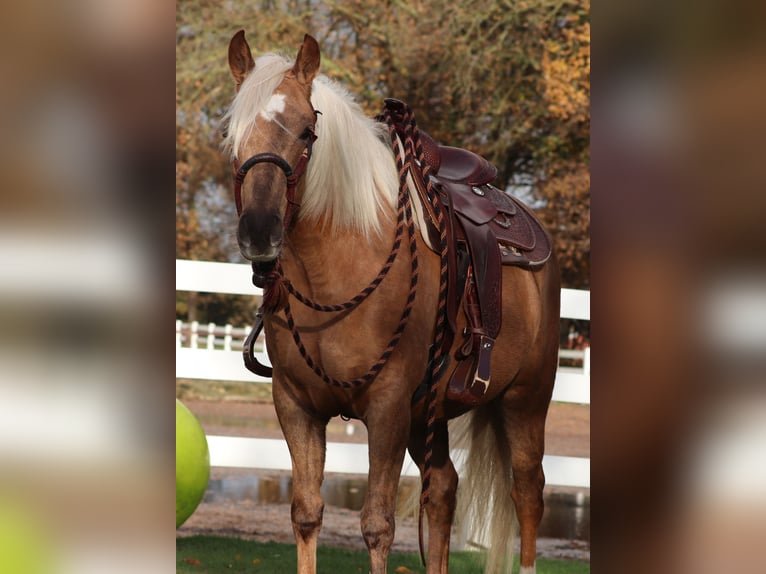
(464, 180)
(520, 236)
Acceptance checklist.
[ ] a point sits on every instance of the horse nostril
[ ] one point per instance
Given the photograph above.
(259, 235)
(276, 232)
(243, 234)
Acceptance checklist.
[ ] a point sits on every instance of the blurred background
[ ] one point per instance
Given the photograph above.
(678, 287)
(86, 235)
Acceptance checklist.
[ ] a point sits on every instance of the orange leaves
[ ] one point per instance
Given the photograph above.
(567, 217)
(509, 80)
(566, 74)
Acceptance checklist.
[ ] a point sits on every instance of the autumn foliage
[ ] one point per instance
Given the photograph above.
(508, 80)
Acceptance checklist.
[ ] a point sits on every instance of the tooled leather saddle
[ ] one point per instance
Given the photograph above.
(486, 229)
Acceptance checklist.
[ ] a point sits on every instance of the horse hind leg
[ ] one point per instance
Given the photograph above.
(440, 509)
(526, 435)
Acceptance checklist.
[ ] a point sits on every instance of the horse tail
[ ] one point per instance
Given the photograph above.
(486, 514)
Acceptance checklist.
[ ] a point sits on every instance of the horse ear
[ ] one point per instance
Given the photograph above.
(240, 58)
(307, 63)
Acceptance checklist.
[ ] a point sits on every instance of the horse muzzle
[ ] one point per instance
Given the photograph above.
(260, 235)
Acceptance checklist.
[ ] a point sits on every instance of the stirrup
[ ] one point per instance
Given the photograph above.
(471, 378)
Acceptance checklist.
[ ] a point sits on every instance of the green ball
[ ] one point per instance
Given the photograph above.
(192, 463)
(25, 545)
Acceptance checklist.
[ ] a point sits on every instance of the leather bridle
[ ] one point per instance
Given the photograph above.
(292, 175)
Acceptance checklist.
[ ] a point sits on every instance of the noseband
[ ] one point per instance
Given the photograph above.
(292, 175)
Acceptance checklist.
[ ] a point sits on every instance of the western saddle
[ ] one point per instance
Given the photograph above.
(486, 229)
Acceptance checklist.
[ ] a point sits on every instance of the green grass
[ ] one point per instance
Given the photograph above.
(213, 555)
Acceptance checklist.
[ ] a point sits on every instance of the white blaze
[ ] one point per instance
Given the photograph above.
(275, 105)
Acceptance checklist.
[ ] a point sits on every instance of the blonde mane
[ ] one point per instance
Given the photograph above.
(351, 180)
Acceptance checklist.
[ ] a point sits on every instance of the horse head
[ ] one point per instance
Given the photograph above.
(272, 154)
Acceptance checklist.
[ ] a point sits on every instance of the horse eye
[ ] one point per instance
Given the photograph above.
(307, 133)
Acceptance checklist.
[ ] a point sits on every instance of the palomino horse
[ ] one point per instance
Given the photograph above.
(318, 220)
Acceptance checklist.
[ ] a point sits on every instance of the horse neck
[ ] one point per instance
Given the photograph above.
(347, 223)
(331, 265)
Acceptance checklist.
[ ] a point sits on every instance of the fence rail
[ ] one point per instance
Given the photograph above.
(213, 352)
(211, 336)
(196, 335)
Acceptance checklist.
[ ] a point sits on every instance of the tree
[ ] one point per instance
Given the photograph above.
(508, 80)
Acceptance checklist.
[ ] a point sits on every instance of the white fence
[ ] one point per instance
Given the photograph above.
(210, 336)
(226, 364)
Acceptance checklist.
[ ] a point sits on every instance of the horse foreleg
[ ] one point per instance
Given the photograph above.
(526, 435)
(305, 435)
(440, 509)
(387, 437)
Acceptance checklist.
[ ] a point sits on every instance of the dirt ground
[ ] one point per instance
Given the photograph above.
(567, 433)
(567, 430)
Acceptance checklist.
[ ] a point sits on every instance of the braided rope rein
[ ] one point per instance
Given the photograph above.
(415, 149)
(370, 375)
(364, 293)
(277, 288)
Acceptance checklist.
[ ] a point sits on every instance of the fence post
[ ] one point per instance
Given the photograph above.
(227, 337)
(210, 336)
(194, 339)
(178, 333)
